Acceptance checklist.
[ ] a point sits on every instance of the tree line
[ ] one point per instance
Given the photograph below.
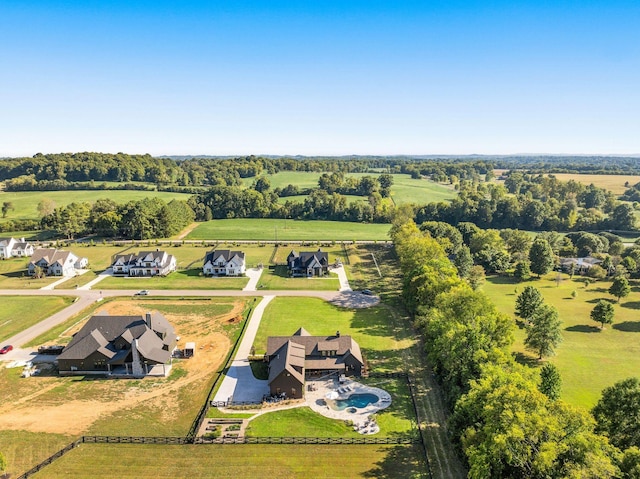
(506, 420)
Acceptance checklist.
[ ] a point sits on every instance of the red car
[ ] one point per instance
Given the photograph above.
(6, 349)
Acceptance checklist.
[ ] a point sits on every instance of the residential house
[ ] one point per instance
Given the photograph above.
(224, 262)
(10, 247)
(579, 265)
(133, 346)
(145, 263)
(292, 358)
(314, 263)
(55, 262)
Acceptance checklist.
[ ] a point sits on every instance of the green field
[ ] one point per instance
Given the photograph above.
(589, 359)
(381, 344)
(404, 190)
(25, 203)
(95, 461)
(182, 279)
(13, 275)
(21, 312)
(263, 229)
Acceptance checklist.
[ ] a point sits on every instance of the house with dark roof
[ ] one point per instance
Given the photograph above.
(145, 263)
(308, 263)
(133, 346)
(224, 262)
(293, 358)
(55, 262)
(11, 248)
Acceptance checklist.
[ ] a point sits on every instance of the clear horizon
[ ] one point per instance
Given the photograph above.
(325, 78)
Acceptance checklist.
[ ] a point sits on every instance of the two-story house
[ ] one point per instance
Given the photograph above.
(55, 262)
(145, 263)
(10, 247)
(224, 262)
(308, 263)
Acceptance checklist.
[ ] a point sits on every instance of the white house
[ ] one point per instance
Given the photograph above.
(224, 262)
(54, 262)
(10, 247)
(145, 263)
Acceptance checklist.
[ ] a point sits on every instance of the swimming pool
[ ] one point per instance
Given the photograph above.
(355, 400)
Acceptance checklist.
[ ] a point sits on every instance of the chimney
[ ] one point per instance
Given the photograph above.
(337, 334)
(148, 320)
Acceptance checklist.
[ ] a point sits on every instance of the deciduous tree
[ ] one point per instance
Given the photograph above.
(541, 257)
(603, 313)
(543, 332)
(550, 381)
(617, 413)
(528, 302)
(620, 287)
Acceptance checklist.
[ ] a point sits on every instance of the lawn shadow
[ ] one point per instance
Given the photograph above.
(501, 279)
(596, 300)
(399, 461)
(628, 327)
(583, 328)
(527, 360)
(631, 304)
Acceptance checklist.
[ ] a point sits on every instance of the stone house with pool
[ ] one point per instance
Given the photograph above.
(293, 358)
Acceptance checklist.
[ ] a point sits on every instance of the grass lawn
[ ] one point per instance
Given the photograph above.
(21, 312)
(182, 279)
(589, 359)
(95, 461)
(13, 275)
(277, 278)
(26, 202)
(380, 342)
(288, 230)
(25, 450)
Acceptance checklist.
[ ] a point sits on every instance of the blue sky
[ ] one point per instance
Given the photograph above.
(320, 77)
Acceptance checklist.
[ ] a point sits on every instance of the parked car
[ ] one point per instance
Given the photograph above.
(143, 292)
(367, 292)
(6, 349)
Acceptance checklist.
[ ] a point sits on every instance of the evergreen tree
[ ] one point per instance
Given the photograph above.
(602, 313)
(543, 334)
(541, 257)
(528, 302)
(463, 261)
(620, 287)
(550, 381)
(522, 271)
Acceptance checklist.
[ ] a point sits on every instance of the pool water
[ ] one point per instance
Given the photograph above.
(355, 400)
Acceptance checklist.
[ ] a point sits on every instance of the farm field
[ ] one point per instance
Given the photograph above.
(151, 406)
(95, 461)
(26, 202)
(614, 183)
(588, 359)
(21, 312)
(404, 190)
(266, 229)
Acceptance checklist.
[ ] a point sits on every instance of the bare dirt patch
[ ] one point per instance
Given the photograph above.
(71, 405)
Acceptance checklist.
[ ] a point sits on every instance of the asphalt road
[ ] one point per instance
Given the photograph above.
(85, 298)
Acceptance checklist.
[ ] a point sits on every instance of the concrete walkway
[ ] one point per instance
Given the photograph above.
(63, 279)
(105, 274)
(254, 275)
(239, 383)
(342, 276)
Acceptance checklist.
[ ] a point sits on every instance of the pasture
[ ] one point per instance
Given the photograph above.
(588, 359)
(41, 406)
(25, 203)
(266, 229)
(96, 461)
(404, 190)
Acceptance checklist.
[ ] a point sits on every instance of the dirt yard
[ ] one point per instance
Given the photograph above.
(52, 404)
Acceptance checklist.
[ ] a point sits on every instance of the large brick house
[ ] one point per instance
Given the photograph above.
(293, 358)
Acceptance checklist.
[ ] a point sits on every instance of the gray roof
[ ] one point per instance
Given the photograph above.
(305, 258)
(225, 253)
(50, 255)
(288, 358)
(102, 330)
(313, 345)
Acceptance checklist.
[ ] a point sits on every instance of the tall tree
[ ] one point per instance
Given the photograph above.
(550, 381)
(522, 271)
(541, 257)
(528, 302)
(620, 287)
(6, 207)
(45, 207)
(543, 333)
(617, 413)
(603, 313)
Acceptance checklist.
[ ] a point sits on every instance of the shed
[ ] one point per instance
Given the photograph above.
(189, 349)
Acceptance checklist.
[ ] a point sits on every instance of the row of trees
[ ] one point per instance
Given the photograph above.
(506, 419)
(535, 203)
(144, 219)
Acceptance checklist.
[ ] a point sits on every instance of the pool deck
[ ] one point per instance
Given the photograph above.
(316, 400)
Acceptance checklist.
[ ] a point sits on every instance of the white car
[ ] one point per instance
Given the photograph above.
(143, 292)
